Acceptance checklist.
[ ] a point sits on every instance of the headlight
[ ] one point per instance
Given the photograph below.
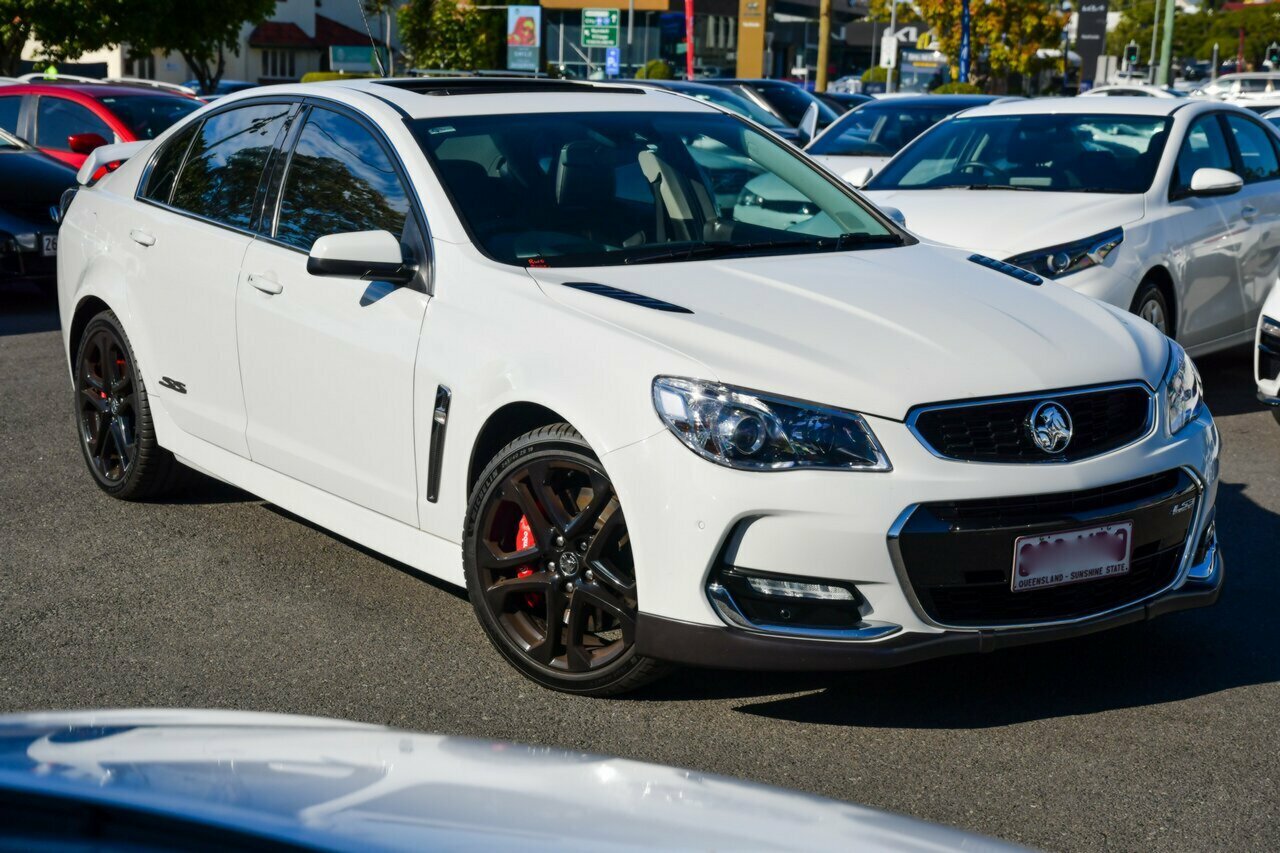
(744, 429)
(1057, 261)
(1183, 394)
(747, 198)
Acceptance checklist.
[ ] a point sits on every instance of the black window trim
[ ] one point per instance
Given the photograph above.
(292, 100)
(275, 189)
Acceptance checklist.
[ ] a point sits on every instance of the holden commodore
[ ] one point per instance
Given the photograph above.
(511, 333)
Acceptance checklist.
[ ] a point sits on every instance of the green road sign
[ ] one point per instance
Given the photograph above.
(599, 27)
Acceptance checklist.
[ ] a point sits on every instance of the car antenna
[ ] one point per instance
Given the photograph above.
(377, 54)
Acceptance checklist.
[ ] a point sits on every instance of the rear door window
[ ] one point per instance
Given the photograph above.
(225, 163)
(57, 119)
(165, 168)
(9, 109)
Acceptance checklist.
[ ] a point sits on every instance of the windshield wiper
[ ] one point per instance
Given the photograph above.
(1009, 187)
(704, 250)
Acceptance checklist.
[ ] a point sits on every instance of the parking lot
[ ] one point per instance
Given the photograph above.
(1156, 736)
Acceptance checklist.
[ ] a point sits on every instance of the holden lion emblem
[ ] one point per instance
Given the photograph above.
(1050, 427)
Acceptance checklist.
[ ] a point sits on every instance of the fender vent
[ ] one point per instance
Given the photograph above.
(626, 296)
(1008, 269)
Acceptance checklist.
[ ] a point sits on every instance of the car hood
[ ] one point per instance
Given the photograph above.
(842, 164)
(982, 220)
(334, 785)
(30, 183)
(877, 330)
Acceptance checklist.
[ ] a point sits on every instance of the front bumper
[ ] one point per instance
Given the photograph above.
(731, 648)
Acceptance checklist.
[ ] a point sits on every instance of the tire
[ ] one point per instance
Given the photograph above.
(545, 544)
(113, 417)
(1150, 304)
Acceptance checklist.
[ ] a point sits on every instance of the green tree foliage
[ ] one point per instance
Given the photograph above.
(441, 34)
(875, 75)
(958, 89)
(1194, 35)
(655, 69)
(66, 28)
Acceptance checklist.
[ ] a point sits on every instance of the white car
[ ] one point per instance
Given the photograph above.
(1134, 90)
(862, 140)
(1273, 118)
(1244, 85)
(438, 319)
(1169, 208)
(1267, 356)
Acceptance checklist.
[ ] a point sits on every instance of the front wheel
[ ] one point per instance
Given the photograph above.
(1150, 304)
(549, 566)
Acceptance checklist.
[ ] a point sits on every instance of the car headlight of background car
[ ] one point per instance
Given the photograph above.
(1057, 261)
(753, 431)
(1183, 394)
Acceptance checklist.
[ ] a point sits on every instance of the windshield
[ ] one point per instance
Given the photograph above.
(1044, 152)
(735, 103)
(880, 130)
(147, 116)
(601, 188)
(791, 102)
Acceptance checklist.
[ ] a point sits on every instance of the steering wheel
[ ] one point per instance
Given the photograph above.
(978, 166)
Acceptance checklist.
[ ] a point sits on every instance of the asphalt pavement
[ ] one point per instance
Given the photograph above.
(1156, 736)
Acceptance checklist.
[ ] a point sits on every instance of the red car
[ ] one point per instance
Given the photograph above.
(68, 120)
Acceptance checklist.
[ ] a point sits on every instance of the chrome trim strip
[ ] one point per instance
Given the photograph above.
(1152, 420)
(1194, 531)
(728, 610)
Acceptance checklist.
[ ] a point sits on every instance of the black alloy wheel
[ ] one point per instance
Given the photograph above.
(549, 566)
(113, 416)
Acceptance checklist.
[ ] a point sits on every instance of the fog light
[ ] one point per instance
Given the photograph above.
(797, 589)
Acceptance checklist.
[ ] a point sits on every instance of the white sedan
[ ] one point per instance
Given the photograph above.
(1169, 208)
(467, 330)
(1134, 90)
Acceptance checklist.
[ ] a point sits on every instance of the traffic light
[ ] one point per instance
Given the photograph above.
(1273, 55)
(1131, 54)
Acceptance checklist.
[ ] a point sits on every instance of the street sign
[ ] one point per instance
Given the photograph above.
(599, 27)
(888, 51)
(612, 61)
(524, 26)
(356, 59)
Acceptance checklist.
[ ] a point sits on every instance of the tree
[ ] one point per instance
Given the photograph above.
(444, 34)
(1010, 31)
(64, 28)
(201, 33)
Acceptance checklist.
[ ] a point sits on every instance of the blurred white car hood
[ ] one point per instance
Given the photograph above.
(1004, 223)
(845, 165)
(329, 784)
(876, 330)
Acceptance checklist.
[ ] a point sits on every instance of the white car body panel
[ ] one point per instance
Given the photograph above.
(1220, 264)
(1268, 385)
(846, 166)
(323, 406)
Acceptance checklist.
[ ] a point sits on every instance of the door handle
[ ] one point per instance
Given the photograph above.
(1248, 212)
(142, 238)
(266, 285)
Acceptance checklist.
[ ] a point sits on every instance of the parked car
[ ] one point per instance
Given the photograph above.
(861, 141)
(1165, 207)
(1267, 358)
(31, 186)
(836, 446)
(730, 100)
(233, 780)
(1273, 118)
(1132, 90)
(785, 100)
(68, 120)
(842, 102)
(1244, 85)
(224, 87)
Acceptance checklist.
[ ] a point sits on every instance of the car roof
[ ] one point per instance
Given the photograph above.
(958, 101)
(89, 90)
(1121, 105)
(441, 97)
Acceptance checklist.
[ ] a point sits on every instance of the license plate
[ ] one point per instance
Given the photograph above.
(1072, 556)
(48, 245)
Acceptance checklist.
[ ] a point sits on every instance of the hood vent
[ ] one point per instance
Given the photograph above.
(626, 296)
(1008, 269)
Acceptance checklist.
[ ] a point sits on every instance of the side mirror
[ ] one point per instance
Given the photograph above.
(367, 255)
(858, 177)
(893, 213)
(809, 124)
(85, 143)
(1211, 182)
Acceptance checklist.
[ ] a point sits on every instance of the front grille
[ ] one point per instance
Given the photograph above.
(996, 431)
(957, 556)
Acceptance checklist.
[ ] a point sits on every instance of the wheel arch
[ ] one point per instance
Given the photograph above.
(503, 426)
(86, 309)
(1164, 280)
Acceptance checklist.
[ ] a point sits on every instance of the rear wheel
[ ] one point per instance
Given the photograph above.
(549, 566)
(1150, 304)
(113, 416)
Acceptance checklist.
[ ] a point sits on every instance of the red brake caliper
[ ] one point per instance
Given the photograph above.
(524, 540)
